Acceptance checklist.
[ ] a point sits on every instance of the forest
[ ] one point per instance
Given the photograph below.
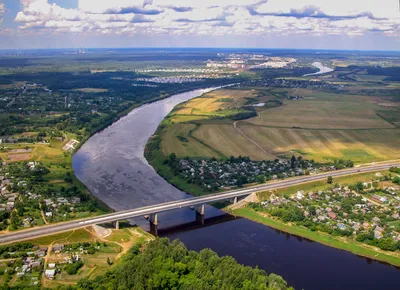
(165, 265)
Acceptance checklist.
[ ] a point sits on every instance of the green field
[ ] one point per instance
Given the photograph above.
(320, 110)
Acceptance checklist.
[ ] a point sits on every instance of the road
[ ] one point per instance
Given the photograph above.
(192, 201)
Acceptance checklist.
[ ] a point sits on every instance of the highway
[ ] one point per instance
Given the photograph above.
(192, 201)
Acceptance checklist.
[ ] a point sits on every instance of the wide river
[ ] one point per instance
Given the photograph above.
(111, 164)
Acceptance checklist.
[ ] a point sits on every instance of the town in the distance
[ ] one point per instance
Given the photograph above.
(175, 166)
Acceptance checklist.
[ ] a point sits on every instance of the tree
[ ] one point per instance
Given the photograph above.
(359, 186)
(261, 179)
(293, 160)
(330, 180)
(109, 262)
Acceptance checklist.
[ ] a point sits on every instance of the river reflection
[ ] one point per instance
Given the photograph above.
(303, 264)
(111, 164)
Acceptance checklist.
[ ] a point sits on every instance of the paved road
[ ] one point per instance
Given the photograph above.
(121, 215)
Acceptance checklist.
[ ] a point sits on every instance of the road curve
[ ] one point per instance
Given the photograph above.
(121, 215)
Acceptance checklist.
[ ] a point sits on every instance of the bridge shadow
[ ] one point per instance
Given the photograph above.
(205, 222)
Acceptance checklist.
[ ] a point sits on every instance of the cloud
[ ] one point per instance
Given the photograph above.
(134, 10)
(2, 10)
(180, 9)
(141, 19)
(312, 11)
(214, 17)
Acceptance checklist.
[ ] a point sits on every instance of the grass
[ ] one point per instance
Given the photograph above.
(326, 239)
(76, 236)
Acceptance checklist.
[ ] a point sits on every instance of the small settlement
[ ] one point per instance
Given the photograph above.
(369, 212)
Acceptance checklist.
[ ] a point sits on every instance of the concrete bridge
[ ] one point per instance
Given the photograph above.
(197, 203)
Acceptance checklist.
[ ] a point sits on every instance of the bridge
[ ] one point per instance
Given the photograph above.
(197, 203)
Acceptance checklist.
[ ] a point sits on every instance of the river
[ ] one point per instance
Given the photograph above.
(322, 69)
(111, 164)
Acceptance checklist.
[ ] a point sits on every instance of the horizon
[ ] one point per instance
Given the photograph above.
(205, 48)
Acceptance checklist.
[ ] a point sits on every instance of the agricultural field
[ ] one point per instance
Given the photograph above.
(320, 125)
(324, 111)
(361, 146)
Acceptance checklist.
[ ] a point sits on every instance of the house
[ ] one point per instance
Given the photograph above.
(378, 198)
(57, 248)
(300, 195)
(49, 214)
(75, 200)
(376, 219)
(332, 215)
(35, 264)
(50, 274)
(341, 226)
(377, 234)
(51, 265)
(40, 253)
(366, 225)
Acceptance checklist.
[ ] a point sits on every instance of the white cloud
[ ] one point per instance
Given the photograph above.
(214, 17)
(2, 10)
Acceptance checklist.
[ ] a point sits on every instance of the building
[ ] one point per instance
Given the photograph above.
(51, 265)
(50, 274)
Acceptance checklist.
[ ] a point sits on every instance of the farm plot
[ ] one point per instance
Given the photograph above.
(323, 114)
(229, 141)
(216, 103)
(361, 146)
(177, 140)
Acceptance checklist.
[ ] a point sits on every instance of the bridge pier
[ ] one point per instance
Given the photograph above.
(116, 225)
(235, 200)
(154, 224)
(200, 211)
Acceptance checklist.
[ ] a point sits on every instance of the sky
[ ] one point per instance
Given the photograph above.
(319, 24)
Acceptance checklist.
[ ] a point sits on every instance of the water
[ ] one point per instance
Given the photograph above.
(322, 69)
(259, 105)
(112, 166)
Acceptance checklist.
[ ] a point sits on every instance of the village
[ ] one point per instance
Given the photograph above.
(368, 212)
(26, 201)
(25, 263)
(216, 174)
(293, 84)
